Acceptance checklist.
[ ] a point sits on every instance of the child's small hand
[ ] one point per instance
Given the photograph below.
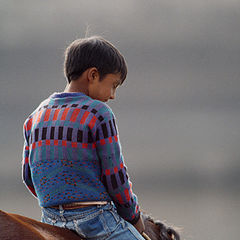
(139, 225)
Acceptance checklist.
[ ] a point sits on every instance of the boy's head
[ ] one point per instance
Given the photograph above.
(97, 52)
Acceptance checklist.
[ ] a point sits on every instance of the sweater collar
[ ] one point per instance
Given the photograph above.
(67, 94)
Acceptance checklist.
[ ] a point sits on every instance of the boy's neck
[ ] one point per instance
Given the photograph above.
(77, 86)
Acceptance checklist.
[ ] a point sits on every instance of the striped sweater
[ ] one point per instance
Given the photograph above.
(72, 153)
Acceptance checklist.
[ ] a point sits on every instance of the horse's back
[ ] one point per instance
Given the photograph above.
(15, 227)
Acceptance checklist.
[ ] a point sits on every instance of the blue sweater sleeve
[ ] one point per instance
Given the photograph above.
(114, 172)
(26, 172)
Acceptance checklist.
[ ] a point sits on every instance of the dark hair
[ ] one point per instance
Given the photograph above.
(94, 51)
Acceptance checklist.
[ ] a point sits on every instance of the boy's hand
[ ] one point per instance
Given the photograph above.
(139, 225)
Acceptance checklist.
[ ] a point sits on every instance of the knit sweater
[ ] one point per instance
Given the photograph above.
(72, 153)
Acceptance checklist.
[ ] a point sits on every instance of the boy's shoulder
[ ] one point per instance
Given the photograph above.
(101, 109)
(36, 109)
(98, 108)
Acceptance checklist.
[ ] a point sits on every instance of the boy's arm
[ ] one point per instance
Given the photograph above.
(114, 171)
(26, 172)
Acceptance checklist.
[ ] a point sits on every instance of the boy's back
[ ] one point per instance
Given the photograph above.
(64, 160)
(72, 152)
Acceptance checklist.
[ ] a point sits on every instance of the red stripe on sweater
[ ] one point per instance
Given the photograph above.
(47, 115)
(119, 198)
(74, 144)
(29, 124)
(34, 118)
(55, 116)
(64, 114)
(40, 143)
(39, 116)
(74, 114)
(26, 160)
(126, 192)
(92, 122)
(84, 145)
(84, 117)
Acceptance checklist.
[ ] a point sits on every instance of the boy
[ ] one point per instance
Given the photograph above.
(72, 160)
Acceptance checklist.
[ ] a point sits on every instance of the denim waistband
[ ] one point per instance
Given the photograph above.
(75, 213)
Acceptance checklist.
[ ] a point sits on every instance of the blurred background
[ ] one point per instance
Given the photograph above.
(178, 112)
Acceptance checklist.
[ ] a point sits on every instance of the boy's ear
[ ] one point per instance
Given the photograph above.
(92, 74)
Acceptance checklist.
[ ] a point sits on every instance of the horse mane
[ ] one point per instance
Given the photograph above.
(159, 230)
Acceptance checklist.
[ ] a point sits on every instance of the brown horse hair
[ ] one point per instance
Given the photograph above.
(14, 227)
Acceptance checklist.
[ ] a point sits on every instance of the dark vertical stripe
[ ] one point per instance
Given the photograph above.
(114, 181)
(97, 135)
(115, 125)
(90, 138)
(127, 205)
(105, 182)
(121, 176)
(117, 204)
(111, 127)
(52, 132)
(44, 133)
(36, 134)
(104, 129)
(126, 172)
(100, 118)
(69, 134)
(80, 136)
(60, 133)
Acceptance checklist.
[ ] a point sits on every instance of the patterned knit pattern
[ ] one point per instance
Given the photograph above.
(72, 153)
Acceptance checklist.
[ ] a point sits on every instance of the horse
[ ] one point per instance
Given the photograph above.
(15, 227)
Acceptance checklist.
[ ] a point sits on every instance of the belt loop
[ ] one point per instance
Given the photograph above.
(61, 210)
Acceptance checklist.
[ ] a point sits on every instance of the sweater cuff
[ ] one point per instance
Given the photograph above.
(135, 220)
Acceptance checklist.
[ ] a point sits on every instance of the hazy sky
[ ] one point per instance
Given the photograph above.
(182, 49)
(183, 59)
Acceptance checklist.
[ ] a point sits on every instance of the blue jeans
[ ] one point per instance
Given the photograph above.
(93, 222)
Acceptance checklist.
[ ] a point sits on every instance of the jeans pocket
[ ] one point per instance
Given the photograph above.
(111, 219)
(92, 226)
